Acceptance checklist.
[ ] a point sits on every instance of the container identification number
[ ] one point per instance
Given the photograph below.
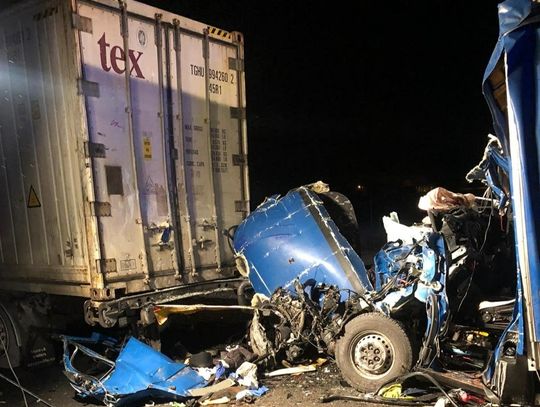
(220, 76)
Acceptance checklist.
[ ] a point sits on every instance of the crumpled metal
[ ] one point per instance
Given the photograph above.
(138, 372)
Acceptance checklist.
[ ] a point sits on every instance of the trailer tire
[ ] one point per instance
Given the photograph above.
(10, 341)
(373, 350)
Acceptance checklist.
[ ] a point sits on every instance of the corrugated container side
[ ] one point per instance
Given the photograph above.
(42, 238)
(123, 148)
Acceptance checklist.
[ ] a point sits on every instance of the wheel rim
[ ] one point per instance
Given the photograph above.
(4, 337)
(372, 354)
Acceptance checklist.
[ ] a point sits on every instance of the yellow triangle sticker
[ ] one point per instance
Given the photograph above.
(33, 200)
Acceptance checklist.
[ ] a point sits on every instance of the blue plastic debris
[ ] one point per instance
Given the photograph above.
(251, 393)
(138, 372)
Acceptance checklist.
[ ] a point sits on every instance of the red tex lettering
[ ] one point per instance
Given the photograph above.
(117, 54)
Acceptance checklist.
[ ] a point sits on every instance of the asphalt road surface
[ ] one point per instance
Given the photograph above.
(301, 390)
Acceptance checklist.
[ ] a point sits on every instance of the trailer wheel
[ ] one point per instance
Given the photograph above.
(9, 343)
(373, 350)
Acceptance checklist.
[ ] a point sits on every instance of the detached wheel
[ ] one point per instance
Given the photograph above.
(373, 350)
(8, 341)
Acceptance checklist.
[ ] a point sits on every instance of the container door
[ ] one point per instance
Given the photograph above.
(208, 130)
(130, 151)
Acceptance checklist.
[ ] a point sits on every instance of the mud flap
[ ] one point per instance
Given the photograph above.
(514, 381)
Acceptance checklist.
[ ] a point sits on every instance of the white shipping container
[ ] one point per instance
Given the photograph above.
(122, 148)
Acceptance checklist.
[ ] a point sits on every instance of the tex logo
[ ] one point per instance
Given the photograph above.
(115, 59)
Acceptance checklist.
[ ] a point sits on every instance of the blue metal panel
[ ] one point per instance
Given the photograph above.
(293, 237)
(523, 60)
(519, 44)
(139, 368)
(138, 372)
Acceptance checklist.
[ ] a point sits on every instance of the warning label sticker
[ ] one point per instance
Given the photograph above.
(33, 200)
(147, 148)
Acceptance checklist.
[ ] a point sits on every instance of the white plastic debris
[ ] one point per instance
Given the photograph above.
(397, 231)
(205, 372)
(247, 373)
(291, 370)
(441, 402)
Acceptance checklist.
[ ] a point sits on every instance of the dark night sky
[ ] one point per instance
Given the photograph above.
(388, 96)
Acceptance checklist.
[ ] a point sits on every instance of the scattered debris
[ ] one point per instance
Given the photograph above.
(439, 295)
(441, 199)
(297, 369)
(291, 370)
(251, 393)
(225, 384)
(314, 297)
(162, 312)
(138, 372)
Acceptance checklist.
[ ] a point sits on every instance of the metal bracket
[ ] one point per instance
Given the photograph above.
(237, 37)
(238, 113)
(239, 159)
(177, 45)
(157, 30)
(205, 225)
(107, 265)
(101, 209)
(107, 313)
(101, 294)
(236, 64)
(206, 45)
(81, 23)
(94, 150)
(88, 88)
(241, 206)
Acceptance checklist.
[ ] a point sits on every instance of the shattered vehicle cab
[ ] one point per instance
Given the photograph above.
(295, 253)
(296, 236)
(455, 295)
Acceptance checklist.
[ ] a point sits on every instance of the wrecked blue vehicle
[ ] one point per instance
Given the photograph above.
(294, 252)
(456, 296)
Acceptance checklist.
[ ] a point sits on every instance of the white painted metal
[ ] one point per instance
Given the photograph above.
(151, 212)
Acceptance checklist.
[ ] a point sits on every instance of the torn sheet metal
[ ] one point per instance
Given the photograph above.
(404, 272)
(493, 171)
(293, 237)
(162, 312)
(138, 372)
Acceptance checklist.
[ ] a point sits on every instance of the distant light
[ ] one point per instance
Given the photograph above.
(361, 188)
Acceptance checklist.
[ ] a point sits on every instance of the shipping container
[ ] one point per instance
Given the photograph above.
(123, 153)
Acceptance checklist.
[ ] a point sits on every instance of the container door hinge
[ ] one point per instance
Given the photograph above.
(238, 113)
(101, 209)
(88, 88)
(236, 64)
(94, 150)
(239, 159)
(81, 23)
(241, 206)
